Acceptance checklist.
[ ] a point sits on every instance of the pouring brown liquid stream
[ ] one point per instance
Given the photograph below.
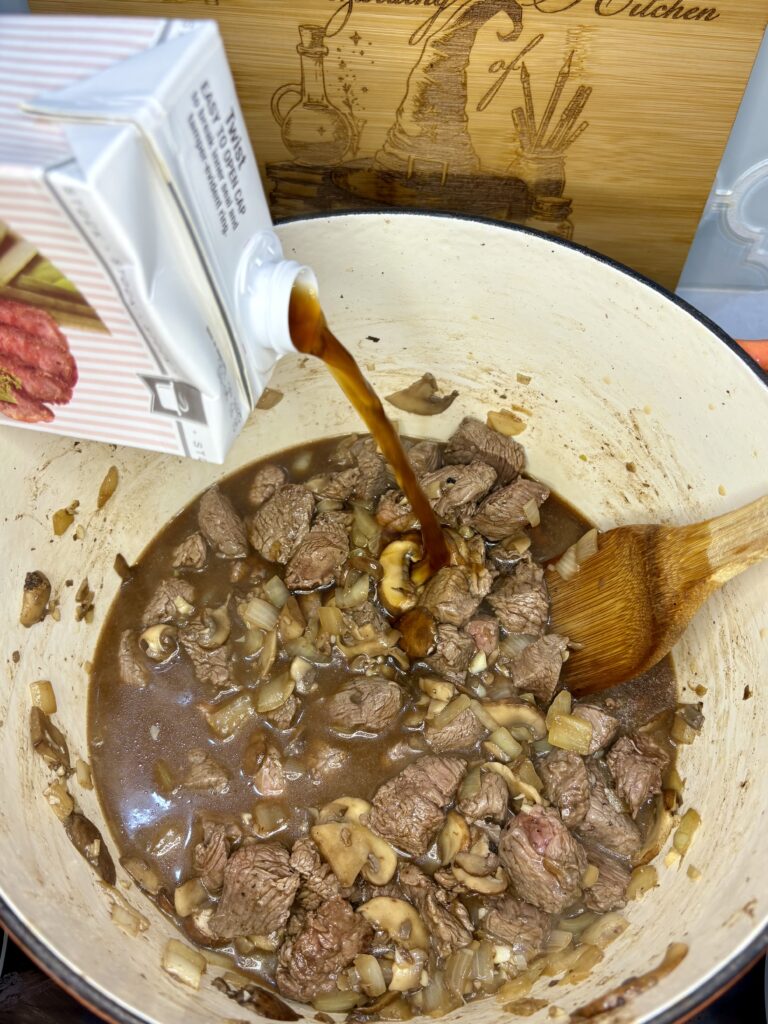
(311, 335)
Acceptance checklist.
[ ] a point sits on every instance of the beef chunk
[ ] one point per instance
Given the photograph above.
(372, 478)
(537, 669)
(462, 733)
(369, 704)
(501, 512)
(543, 860)
(410, 809)
(520, 599)
(259, 887)
(424, 457)
(329, 939)
(454, 491)
(610, 890)
(269, 777)
(485, 632)
(281, 524)
(394, 512)
(266, 483)
(566, 785)
(446, 919)
(636, 763)
(338, 486)
(221, 526)
(520, 925)
(210, 856)
(282, 717)
(454, 593)
(474, 440)
(131, 662)
(606, 822)
(191, 553)
(453, 652)
(204, 774)
(357, 619)
(604, 726)
(320, 555)
(489, 802)
(318, 882)
(212, 668)
(162, 605)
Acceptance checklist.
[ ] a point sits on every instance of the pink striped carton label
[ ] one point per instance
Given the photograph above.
(111, 326)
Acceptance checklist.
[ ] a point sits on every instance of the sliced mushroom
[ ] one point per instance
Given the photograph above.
(475, 863)
(518, 787)
(34, 601)
(217, 628)
(422, 398)
(159, 642)
(396, 591)
(352, 849)
(454, 837)
(348, 808)
(398, 919)
(663, 821)
(518, 716)
(488, 885)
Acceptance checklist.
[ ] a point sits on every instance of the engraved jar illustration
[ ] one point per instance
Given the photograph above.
(314, 131)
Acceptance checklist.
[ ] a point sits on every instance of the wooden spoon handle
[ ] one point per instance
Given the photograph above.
(731, 542)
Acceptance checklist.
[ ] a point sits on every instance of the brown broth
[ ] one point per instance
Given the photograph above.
(131, 729)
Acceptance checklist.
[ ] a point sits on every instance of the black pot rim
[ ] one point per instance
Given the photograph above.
(107, 1007)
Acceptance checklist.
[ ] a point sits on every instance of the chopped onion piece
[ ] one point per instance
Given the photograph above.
(682, 732)
(272, 694)
(484, 717)
(693, 873)
(567, 565)
(83, 774)
(586, 546)
(590, 876)
(457, 970)
(503, 738)
(145, 876)
(531, 512)
(561, 705)
(604, 931)
(331, 620)
(184, 964)
(276, 592)
(189, 897)
(258, 614)
(576, 925)
(684, 832)
(406, 975)
(644, 878)
(514, 644)
(43, 696)
(355, 594)
(589, 958)
(558, 940)
(569, 732)
(479, 663)
(225, 719)
(252, 642)
(455, 708)
(483, 961)
(438, 689)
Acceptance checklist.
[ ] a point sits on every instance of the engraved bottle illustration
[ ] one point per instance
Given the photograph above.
(314, 131)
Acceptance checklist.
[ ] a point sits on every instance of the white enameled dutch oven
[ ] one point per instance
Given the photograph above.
(613, 371)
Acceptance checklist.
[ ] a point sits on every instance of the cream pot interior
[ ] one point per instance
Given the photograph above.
(611, 372)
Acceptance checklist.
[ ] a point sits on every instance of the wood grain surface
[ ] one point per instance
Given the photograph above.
(611, 135)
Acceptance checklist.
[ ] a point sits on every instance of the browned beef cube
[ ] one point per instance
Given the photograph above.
(474, 440)
(221, 526)
(485, 632)
(370, 704)
(515, 923)
(321, 554)
(543, 860)
(490, 801)
(267, 481)
(461, 733)
(281, 524)
(454, 593)
(191, 553)
(446, 919)
(537, 669)
(610, 890)
(520, 599)
(604, 726)
(453, 653)
(637, 763)
(318, 882)
(259, 888)
(454, 491)
(503, 511)
(162, 607)
(132, 663)
(410, 809)
(328, 940)
(566, 785)
(606, 822)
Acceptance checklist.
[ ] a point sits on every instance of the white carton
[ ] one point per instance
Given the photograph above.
(143, 294)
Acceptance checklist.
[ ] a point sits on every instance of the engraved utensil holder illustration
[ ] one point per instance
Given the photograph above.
(543, 172)
(314, 131)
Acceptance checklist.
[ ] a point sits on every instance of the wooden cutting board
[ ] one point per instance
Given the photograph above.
(598, 120)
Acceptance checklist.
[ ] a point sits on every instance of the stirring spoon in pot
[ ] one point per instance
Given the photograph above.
(629, 603)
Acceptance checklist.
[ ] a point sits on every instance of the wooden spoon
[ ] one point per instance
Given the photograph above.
(629, 603)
